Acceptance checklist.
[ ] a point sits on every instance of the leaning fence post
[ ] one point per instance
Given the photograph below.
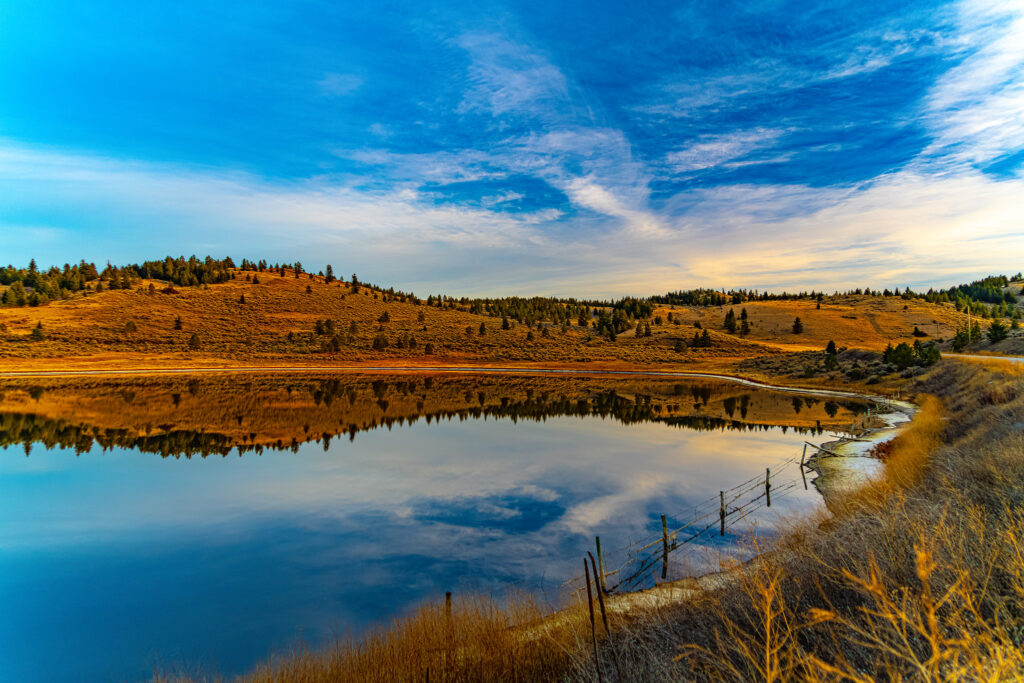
(721, 511)
(768, 485)
(803, 455)
(593, 624)
(600, 565)
(664, 548)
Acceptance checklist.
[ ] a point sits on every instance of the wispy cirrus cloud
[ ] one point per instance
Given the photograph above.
(976, 109)
(339, 84)
(506, 77)
(711, 151)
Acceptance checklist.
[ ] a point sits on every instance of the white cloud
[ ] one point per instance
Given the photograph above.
(508, 78)
(976, 109)
(907, 228)
(339, 84)
(711, 151)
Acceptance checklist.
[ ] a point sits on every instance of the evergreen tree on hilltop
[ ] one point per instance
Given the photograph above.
(730, 321)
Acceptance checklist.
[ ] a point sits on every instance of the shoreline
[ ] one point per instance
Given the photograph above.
(444, 369)
(851, 467)
(837, 476)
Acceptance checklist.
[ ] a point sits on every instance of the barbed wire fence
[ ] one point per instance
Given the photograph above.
(709, 517)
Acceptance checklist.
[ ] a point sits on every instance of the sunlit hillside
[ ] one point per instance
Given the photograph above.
(267, 317)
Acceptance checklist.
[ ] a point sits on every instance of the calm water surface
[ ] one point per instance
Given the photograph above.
(116, 560)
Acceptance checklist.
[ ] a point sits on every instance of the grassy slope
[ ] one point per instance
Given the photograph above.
(87, 332)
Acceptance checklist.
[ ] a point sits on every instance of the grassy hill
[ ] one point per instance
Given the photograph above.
(267, 318)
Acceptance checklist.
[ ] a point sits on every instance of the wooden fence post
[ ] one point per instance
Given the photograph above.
(600, 565)
(664, 548)
(803, 456)
(593, 624)
(721, 511)
(768, 485)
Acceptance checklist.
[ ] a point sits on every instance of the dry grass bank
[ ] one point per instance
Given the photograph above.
(919, 578)
(478, 642)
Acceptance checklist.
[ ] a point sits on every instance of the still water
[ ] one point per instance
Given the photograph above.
(201, 526)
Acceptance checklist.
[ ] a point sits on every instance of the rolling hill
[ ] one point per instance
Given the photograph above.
(274, 317)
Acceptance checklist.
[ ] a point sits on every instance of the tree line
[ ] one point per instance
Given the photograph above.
(33, 286)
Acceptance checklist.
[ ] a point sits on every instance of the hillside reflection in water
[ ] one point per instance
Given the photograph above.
(214, 521)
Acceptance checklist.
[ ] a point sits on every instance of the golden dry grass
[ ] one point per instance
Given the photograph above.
(863, 322)
(256, 332)
(90, 331)
(997, 365)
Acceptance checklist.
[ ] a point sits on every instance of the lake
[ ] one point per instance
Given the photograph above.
(202, 524)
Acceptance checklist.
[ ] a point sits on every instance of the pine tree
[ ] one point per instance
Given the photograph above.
(177, 323)
(193, 343)
(831, 356)
(17, 293)
(798, 327)
(997, 331)
(730, 321)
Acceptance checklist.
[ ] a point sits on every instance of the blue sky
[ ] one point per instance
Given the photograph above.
(535, 148)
